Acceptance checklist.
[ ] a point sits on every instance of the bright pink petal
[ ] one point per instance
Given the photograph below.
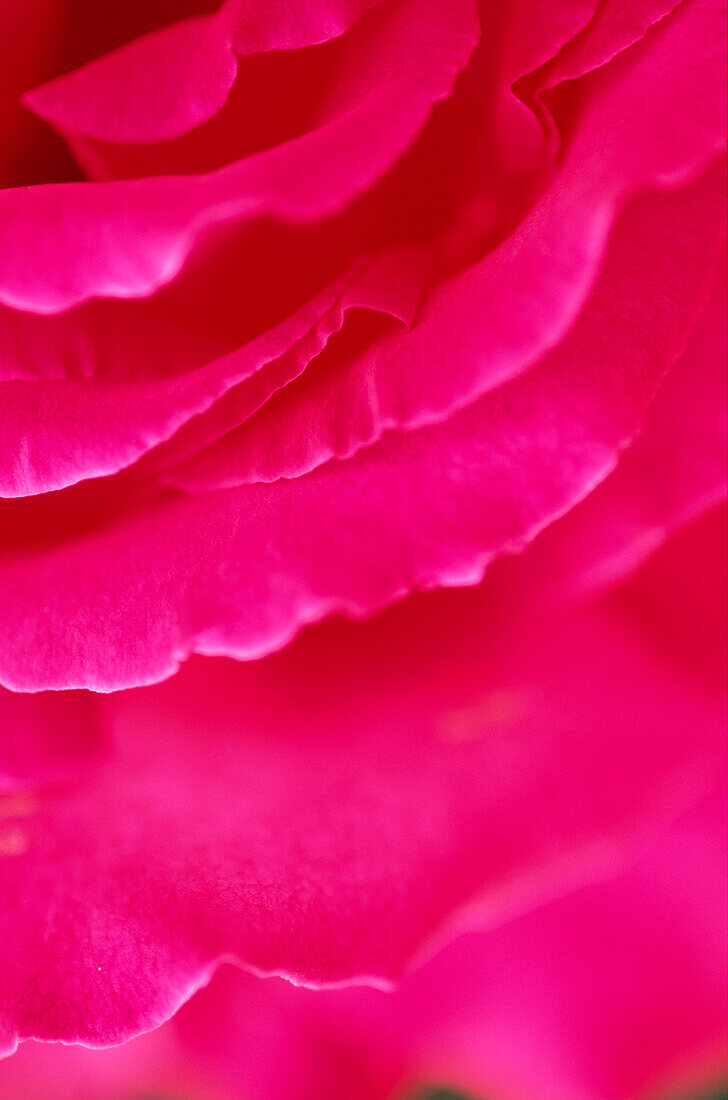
(271, 838)
(43, 738)
(675, 471)
(173, 79)
(125, 239)
(617, 991)
(58, 432)
(499, 316)
(614, 27)
(381, 389)
(149, 90)
(238, 571)
(277, 25)
(180, 99)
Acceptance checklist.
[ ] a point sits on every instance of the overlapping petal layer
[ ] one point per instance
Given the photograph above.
(238, 571)
(59, 432)
(417, 377)
(127, 238)
(185, 70)
(528, 1010)
(246, 810)
(674, 472)
(443, 302)
(513, 302)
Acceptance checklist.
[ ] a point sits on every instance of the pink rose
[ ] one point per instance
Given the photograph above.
(315, 308)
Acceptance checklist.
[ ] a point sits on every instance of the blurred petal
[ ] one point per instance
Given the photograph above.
(616, 992)
(247, 809)
(690, 627)
(44, 738)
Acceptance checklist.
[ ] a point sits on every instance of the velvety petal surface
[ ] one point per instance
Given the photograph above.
(334, 414)
(616, 992)
(245, 810)
(174, 79)
(238, 571)
(359, 298)
(43, 738)
(675, 471)
(614, 27)
(127, 238)
(528, 1010)
(525, 1011)
(329, 413)
(152, 89)
(522, 298)
(58, 432)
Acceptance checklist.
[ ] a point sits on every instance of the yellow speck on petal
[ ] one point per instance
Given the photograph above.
(13, 842)
(20, 804)
(499, 708)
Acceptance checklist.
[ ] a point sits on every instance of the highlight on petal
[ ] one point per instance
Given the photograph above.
(239, 571)
(414, 378)
(127, 238)
(672, 473)
(171, 80)
(270, 839)
(58, 432)
(520, 300)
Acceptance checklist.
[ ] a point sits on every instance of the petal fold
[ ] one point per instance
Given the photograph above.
(127, 238)
(271, 839)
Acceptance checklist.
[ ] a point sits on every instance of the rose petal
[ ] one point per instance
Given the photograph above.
(617, 990)
(672, 473)
(272, 839)
(521, 299)
(613, 27)
(56, 433)
(630, 971)
(185, 70)
(205, 119)
(127, 238)
(690, 628)
(43, 738)
(238, 571)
